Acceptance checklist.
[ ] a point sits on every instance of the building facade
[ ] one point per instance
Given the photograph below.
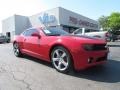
(55, 18)
(14, 25)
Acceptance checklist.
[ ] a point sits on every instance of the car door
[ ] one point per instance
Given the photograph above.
(31, 42)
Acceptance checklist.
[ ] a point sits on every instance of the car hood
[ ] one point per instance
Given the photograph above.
(84, 39)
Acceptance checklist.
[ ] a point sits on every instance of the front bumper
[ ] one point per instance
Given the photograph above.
(85, 59)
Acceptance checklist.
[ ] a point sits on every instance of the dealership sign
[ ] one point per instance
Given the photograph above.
(76, 21)
(46, 18)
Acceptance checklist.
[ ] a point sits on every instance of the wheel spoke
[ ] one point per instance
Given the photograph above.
(57, 53)
(17, 51)
(15, 46)
(63, 55)
(59, 65)
(64, 63)
(55, 59)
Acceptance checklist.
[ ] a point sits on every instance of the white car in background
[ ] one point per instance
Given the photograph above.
(105, 35)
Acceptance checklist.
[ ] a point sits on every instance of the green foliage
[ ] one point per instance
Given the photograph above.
(103, 21)
(114, 21)
(111, 22)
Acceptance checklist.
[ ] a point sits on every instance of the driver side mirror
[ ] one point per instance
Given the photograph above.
(36, 35)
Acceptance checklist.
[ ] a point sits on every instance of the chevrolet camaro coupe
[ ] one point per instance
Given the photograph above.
(63, 50)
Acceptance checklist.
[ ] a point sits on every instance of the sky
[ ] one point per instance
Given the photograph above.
(89, 8)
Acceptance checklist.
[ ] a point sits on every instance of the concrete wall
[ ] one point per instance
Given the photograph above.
(70, 18)
(21, 23)
(8, 25)
(15, 25)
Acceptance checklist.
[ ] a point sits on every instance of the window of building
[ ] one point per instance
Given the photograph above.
(66, 29)
(69, 29)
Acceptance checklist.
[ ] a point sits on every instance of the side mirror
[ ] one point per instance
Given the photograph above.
(36, 35)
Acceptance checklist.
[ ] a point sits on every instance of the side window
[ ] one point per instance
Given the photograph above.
(87, 30)
(29, 32)
(33, 31)
(94, 30)
(26, 33)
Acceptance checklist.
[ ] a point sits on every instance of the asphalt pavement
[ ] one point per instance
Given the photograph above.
(28, 73)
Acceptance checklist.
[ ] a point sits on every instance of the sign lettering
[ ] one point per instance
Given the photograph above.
(46, 18)
(75, 21)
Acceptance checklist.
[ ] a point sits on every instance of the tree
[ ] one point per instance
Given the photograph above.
(103, 21)
(111, 22)
(114, 21)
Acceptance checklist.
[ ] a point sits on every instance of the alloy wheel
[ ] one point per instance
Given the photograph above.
(16, 50)
(60, 59)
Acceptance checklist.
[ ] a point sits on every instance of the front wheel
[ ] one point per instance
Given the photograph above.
(16, 50)
(61, 59)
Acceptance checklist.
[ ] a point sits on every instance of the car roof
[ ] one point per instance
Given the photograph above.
(38, 28)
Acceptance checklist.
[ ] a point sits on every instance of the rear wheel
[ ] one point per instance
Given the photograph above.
(16, 50)
(61, 59)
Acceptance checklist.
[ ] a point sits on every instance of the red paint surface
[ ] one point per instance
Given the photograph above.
(40, 48)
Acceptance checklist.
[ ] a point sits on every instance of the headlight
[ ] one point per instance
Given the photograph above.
(88, 47)
(95, 47)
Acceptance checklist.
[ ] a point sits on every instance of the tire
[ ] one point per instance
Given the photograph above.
(61, 59)
(8, 41)
(16, 50)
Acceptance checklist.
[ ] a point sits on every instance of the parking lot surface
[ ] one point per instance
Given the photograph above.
(28, 73)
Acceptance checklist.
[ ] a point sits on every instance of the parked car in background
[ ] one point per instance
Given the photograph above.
(4, 39)
(63, 50)
(105, 35)
(115, 36)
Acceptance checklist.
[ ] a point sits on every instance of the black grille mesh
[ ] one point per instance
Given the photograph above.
(97, 47)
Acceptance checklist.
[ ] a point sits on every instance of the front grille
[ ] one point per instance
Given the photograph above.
(98, 47)
(101, 58)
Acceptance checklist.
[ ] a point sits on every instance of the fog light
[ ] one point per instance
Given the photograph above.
(90, 60)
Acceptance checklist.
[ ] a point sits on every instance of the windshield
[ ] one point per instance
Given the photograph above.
(55, 32)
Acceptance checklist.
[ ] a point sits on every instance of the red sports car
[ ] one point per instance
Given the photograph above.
(65, 51)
